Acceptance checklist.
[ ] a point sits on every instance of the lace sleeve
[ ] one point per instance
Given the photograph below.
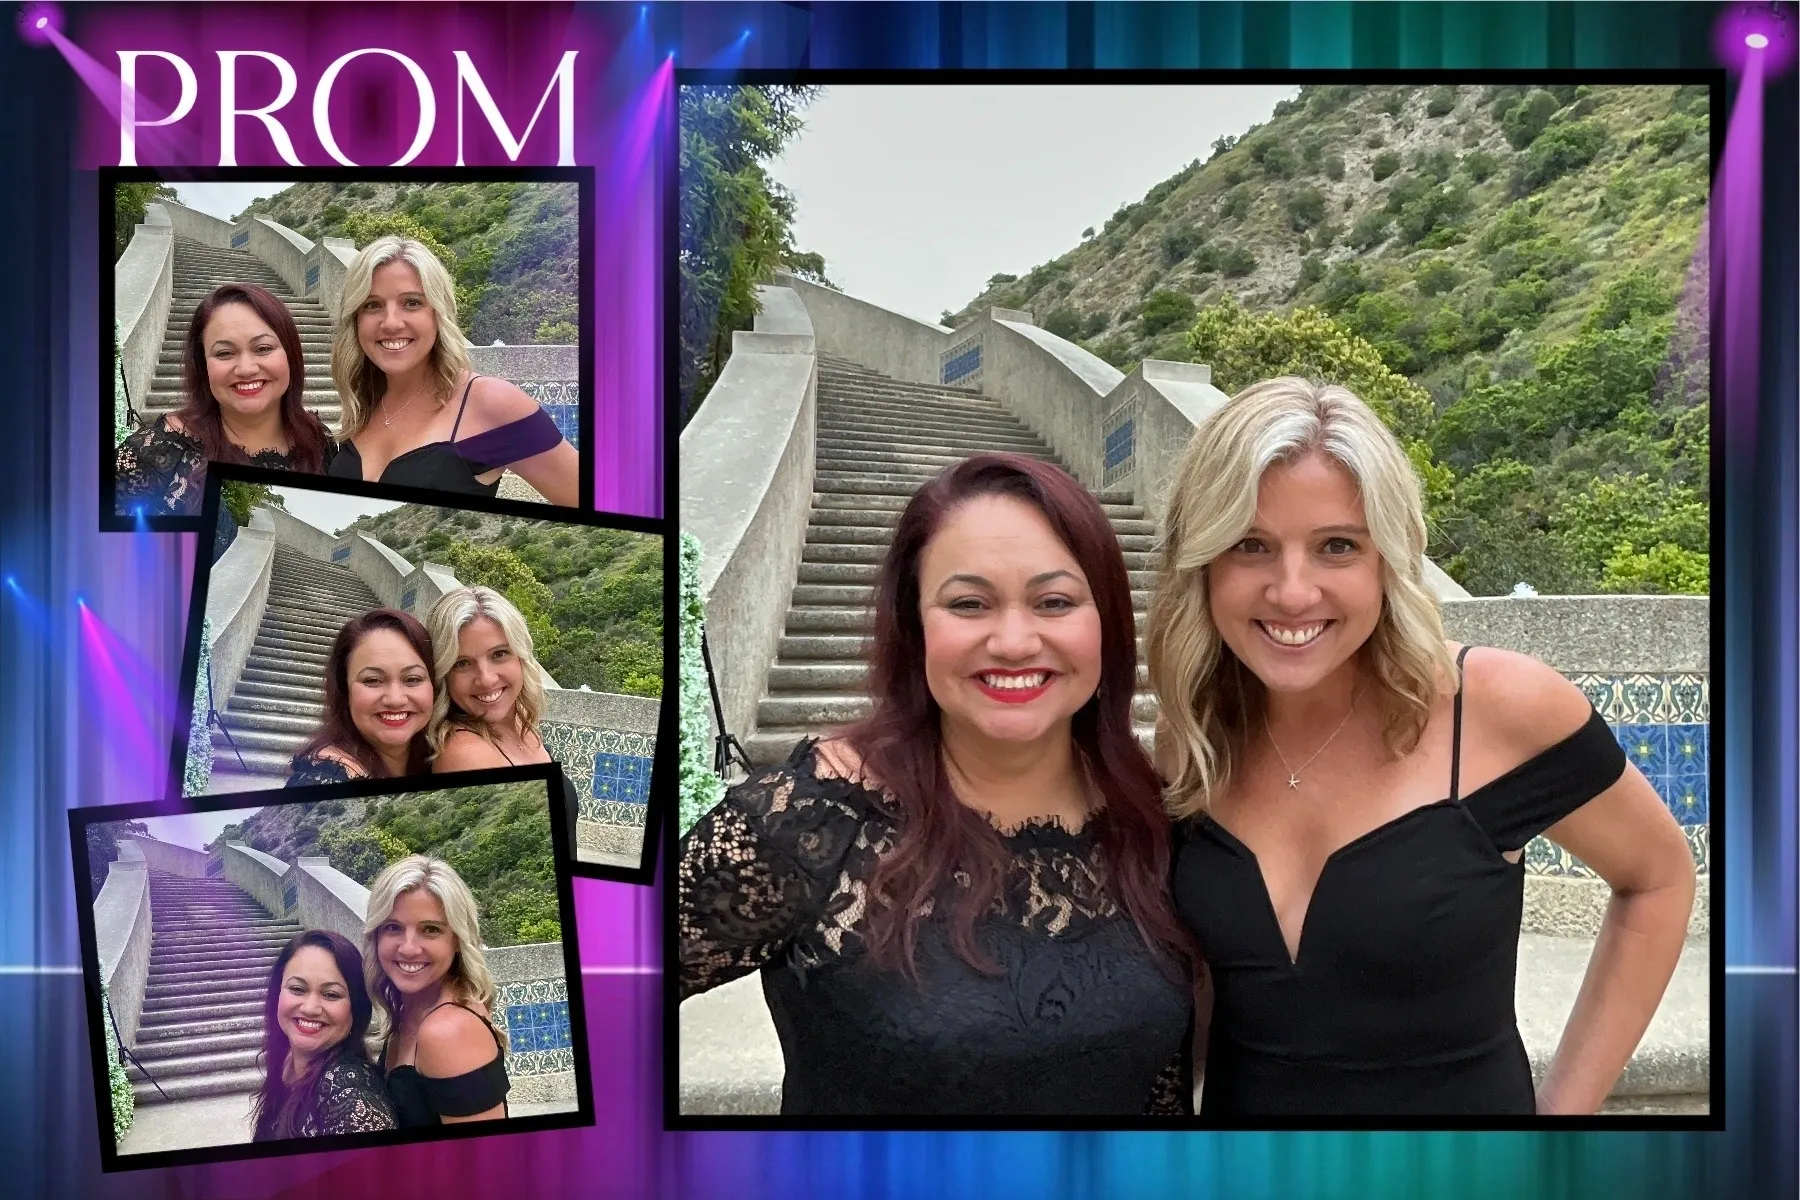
(305, 771)
(351, 1101)
(156, 468)
(755, 870)
(1172, 1095)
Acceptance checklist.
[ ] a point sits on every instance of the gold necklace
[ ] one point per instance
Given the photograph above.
(1294, 772)
(387, 419)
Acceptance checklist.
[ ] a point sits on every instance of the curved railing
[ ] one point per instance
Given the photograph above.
(237, 594)
(122, 936)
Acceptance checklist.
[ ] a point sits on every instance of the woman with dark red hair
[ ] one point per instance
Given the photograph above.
(244, 376)
(959, 903)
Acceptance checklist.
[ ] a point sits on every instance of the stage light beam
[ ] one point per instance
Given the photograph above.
(1757, 41)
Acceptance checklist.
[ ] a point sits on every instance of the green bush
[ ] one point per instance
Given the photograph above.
(1393, 102)
(1095, 323)
(1312, 270)
(1334, 167)
(1480, 165)
(1305, 208)
(1370, 230)
(1064, 323)
(1165, 309)
(1385, 164)
(1237, 203)
(1524, 121)
(1177, 244)
(556, 333)
(1327, 234)
(1237, 262)
(1441, 102)
(1280, 162)
(1435, 276)
(1561, 149)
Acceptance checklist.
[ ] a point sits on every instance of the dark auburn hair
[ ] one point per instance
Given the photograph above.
(337, 730)
(199, 416)
(280, 1108)
(900, 742)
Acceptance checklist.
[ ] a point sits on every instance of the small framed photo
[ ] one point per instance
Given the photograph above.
(356, 964)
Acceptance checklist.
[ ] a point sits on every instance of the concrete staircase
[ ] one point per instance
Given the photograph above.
(211, 950)
(198, 270)
(279, 700)
(878, 440)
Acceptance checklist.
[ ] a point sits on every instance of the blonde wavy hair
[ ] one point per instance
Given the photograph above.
(360, 383)
(468, 977)
(1208, 698)
(449, 616)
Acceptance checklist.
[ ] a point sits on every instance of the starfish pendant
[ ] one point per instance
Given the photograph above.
(1293, 780)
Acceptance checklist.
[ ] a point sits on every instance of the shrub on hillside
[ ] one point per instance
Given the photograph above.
(1385, 164)
(1561, 149)
(1305, 208)
(1441, 102)
(1334, 167)
(1370, 230)
(1523, 122)
(1064, 323)
(1177, 244)
(1165, 309)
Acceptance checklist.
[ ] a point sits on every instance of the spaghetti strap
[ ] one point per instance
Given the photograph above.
(1456, 725)
(462, 408)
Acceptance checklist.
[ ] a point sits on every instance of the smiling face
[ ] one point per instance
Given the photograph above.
(389, 691)
(1300, 594)
(485, 680)
(396, 326)
(246, 368)
(1012, 635)
(313, 1006)
(415, 945)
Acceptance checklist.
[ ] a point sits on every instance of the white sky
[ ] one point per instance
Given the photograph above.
(916, 195)
(225, 200)
(194, 830)
(331, 511)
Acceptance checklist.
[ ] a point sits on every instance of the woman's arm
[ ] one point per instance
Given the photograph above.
(454, 1041)
(1627, 835)
(555, 472)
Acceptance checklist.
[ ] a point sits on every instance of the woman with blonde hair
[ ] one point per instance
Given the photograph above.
(399, 358)
(1356, 793)
(490, 693)
(432, 1028)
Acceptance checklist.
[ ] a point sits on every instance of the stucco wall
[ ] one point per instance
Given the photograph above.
(237, 593)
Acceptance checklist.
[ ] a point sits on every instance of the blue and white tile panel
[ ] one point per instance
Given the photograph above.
(961, 364)
(1662, 723)
(1118, 436)
(610, 770)
(536, 1015)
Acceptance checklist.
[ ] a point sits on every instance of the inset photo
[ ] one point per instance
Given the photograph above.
(337, 634)
(414, 327)
(282, 972)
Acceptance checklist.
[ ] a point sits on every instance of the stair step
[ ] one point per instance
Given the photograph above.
(187, 998)
(212, 958)
(869, 502)
(281, 745)
(256, 762)
(254, 689)
(205, 1012)
(184, 985)
(175, 1031)
(311, 713)
(194, 1087)
(243, 1039)
(298, 680)
(961, 447)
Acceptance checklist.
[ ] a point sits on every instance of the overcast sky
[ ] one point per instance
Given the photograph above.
(916, 195)
(194, 830)
(225, 200)
(330, 511)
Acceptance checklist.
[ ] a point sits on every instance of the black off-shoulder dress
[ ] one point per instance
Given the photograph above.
(421, 1100)
(1081, 1020)
(1400, 999)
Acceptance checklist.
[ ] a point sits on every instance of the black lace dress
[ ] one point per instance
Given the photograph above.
(348, 1098)
(1081, 1021)
(304, 770)
(164, 471)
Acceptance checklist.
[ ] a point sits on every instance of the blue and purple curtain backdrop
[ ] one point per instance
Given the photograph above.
(91, 625)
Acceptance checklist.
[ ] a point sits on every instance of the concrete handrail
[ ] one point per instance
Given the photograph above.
(880, 338)
(528, 364)
(1168, 402)
(258, 874)
(169, 857)
(326, 898)
(523, 963)
(199, 226)
(326, 265)
(427, 584)
(746, 489)
(292, 532)
(237, 593)
(143, 282)
(122, 937)
(1607, 635)
(602, 710)
(378, 566)
(281, 249)
(1054, 386)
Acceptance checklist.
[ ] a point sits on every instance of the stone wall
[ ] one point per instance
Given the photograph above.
(259, 875)
(143, 280)
(122, 936)
(237, 593)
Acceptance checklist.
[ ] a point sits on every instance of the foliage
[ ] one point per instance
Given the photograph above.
(1384, 165)
(1064, 322)
(1441, 102)
(1166, 309)
(129, 201)
(118, 1084)
(1370, 230)
(1177, 244)
(103, 850)
(241, 499)
(1560, 149)
(1305, 207)
(499, 568)
(1237, 202)
(1664, 569)
(700, 787)
(734, 222)
(1334, 167)
(1480, 165)
(1523, 122)
(1312, 270)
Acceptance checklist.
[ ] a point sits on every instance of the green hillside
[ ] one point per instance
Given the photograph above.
(513, 247)
(497, 836)
(1517, 253)
(591, 596)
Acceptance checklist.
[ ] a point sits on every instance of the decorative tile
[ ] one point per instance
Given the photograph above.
(536, 1015)
(1700, 844)
(339, 553)
(240, 238)
(612, 812)
(312, 277)
(1686, 798)
(961, 363)
(622, 777)
(1689, 699)
(1647, 747)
